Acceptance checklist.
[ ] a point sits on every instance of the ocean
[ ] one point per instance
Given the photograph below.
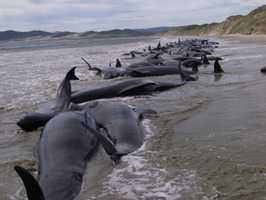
(207, 142)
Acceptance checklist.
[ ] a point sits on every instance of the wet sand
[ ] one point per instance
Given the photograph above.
(223, 140)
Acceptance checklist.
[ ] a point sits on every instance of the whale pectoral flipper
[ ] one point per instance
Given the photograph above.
(107, 144)
(33, 188)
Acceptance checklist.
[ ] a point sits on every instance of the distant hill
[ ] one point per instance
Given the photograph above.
(62, 34)
(14, 35)
(253, 23)
(41, 35)
(155, 30)
(119, 33)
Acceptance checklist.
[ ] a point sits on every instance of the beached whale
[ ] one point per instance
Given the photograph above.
(263, 69)
(127, 87)
(63, 151)
(107, 72)
(121, 123)
(158, 70)
(33, 120)
(151, 59)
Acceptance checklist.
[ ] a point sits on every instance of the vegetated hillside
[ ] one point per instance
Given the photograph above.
(253, 23)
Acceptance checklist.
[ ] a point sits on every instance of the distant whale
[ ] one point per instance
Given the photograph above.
(263, 69)
(107, 72)
(33, 120)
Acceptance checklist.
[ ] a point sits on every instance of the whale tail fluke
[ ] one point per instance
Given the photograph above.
(71, 74)
(33, 188)
(87, 63)
(98, 70)
(217, 67)
(132, 54)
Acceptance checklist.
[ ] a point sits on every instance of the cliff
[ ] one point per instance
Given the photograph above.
(253, 23)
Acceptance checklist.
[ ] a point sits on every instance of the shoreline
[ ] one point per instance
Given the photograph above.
(245, 38)
(241, 37)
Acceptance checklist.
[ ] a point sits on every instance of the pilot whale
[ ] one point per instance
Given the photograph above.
(64, 149)
(121, 123)
(127, 87)
(107, 72)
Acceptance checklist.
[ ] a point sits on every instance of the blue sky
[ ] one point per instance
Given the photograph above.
(98, 15)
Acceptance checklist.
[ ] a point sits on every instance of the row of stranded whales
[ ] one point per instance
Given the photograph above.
(70, 138)
(33, 120)
(153, 64)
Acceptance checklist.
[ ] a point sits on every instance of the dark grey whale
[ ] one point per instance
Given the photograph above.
(127, 87)
(263, 69)
(150, 59)
(107, 72)
(166, 68)
(121, 123)
(63, 151)
(33, 120)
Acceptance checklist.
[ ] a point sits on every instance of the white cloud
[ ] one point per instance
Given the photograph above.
(83, 15)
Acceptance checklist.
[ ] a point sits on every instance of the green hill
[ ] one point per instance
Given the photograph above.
(253, 23)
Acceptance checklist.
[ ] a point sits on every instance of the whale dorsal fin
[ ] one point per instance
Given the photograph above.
(217, 67)
(71, 74)
(205, 59)
(118, 63)
(33, 188)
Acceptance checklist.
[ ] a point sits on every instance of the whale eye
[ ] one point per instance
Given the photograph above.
(92, 104)
(77, 176)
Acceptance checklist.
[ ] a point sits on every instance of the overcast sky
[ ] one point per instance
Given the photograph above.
(98, 15)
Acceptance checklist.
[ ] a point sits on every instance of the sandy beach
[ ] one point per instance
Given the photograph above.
(208, 141)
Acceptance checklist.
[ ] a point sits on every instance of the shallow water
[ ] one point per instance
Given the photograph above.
(208, 141)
